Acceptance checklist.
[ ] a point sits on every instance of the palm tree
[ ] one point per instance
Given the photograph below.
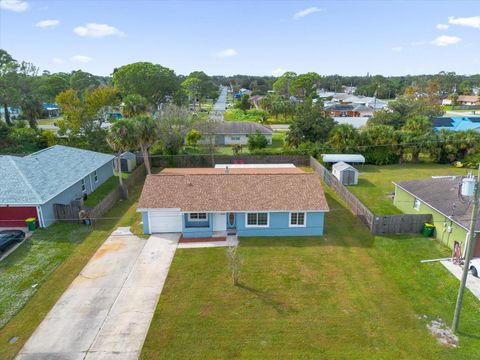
(146, 131)
(134, 105)
(120, 138)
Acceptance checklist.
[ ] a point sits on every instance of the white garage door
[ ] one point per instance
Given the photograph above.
(165, 221)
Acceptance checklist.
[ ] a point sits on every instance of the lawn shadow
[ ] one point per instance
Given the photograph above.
(364, 183)
(280, 307)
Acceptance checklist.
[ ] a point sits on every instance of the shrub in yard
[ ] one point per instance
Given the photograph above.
(193, 137)
(257, 141)
(472, 160)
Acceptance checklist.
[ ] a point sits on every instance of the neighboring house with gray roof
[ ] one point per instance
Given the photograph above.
(235, 132)
(32, 184)
(442, 197)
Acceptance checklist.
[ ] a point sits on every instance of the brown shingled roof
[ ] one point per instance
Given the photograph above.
(234, 192)
(206, 171)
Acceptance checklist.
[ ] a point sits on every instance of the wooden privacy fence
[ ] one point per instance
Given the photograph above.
(400, 224)
(377, 224)
(187, 161)
(71, 212)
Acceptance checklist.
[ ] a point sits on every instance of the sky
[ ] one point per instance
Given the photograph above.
(245, 37)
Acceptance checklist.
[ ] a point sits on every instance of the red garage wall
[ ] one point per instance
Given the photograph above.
(15, 216)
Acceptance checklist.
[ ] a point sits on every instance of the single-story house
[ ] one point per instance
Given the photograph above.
(235, 132)
(456, 123)
(447, 101)
(205, 205)
(468, 100)
(32, 184)
(345, 173)
(442, 197)
(349, 110)
(53, 110)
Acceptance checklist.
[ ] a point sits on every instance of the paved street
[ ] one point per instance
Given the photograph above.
(219, 107)
(107, 310)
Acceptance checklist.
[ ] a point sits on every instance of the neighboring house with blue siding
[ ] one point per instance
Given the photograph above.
(206, 204)
(32, 184)
(234, 132)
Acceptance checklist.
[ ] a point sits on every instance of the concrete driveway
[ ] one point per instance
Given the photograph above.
(107, 310)
(473, 283)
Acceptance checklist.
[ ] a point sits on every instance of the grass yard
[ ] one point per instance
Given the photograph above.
(375, 188)
(103, 190)
(342, 296)
(51, 259)
(49, 121)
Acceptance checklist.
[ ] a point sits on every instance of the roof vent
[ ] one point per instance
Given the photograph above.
(468, 185)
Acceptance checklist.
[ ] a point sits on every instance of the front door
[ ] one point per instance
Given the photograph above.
(231, 220)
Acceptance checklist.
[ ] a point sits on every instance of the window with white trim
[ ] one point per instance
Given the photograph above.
(297, 219)
(84, 188)
(416, 204)
(197, 216)
(257, 219)
(235, 138)
(95, 176)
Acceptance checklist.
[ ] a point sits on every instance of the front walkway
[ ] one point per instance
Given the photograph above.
(232, 240)
(473, 283)
(107, 310)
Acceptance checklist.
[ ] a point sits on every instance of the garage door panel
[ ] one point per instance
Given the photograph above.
(162, 222)
(14, 216)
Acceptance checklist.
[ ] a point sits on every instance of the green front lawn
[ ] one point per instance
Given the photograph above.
(49, 121)
(346, 295)
(375, 188)
(34, 277)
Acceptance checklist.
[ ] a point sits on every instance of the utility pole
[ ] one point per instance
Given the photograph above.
(468, 256)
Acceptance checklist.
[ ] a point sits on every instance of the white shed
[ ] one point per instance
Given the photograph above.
(128, 161)
(345, 173)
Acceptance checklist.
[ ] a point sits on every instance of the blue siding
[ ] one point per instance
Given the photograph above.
(197, 228)
(279, 225)
(75, 192)
(220, 139)
(146, 224)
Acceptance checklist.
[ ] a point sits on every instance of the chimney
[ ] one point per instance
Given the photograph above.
(226, 169)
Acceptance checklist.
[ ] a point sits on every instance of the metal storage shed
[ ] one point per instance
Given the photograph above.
(345, 173)
(348, 158)
(128, 161)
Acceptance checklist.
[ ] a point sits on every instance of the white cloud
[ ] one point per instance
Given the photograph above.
(95, 30)
(397, 49)
(442, 26)
(226, 53)
(47, 23)
(56, 60)
(305, 12)
(14, 5)
(473, 21)
(81, 59)
(278, 72)
(446, 40)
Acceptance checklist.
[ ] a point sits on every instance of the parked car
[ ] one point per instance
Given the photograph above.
(475, 266)
(9, 238)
